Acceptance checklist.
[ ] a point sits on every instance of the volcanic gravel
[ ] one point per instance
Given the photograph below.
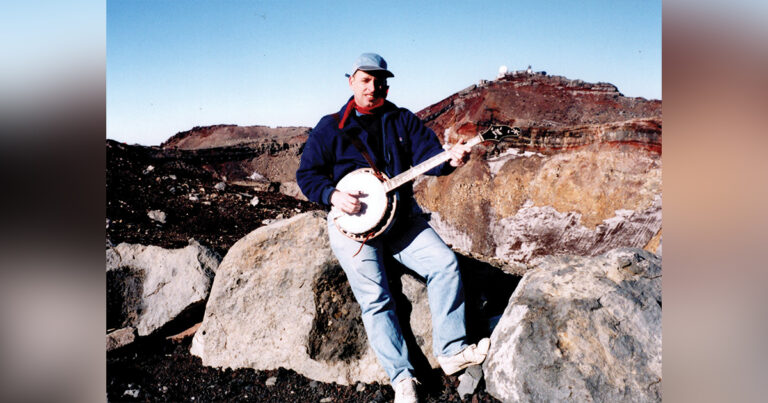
(139, 180)
(164, 370)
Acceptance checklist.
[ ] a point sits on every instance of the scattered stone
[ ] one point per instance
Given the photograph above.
(469, 380)
(193, 197)
(360, 387)
(326, 400)
(108, 222)
(313, 384)
(292, 189)
(255, 201)
(173, 177)
(257, 176)
(134, 393)
(157, 215)
(220, 186)
(120, 338)
(271, 381)
(148, 170)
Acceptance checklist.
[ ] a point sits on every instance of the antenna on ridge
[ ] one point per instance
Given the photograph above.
(502, 71)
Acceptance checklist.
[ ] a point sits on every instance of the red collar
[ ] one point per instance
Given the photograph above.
(353, 105)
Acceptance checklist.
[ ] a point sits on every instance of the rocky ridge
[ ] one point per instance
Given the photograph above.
(243, 154)
(582, 175)
(201, 137)
(553, 112)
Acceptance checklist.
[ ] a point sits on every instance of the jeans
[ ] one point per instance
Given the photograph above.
(417, 246)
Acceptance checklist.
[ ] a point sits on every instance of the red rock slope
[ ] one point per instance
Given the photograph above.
(582, 177)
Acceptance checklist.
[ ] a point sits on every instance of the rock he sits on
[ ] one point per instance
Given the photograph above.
(280, 299)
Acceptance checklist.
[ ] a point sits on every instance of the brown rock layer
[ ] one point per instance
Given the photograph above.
(553, 113)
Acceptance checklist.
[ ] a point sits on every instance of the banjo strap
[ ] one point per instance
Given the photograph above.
(367, 237)
(360, 147)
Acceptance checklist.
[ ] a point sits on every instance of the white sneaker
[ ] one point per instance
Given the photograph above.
(405, 391)
(471, 355)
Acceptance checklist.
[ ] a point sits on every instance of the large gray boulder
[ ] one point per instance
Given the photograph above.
(280, 299)
(148, 286)
(581, 329)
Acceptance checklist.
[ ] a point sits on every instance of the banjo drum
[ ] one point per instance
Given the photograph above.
(378, 206)
(378, 202)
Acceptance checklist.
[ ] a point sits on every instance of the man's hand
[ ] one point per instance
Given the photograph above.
(345, 202)
(459, 154)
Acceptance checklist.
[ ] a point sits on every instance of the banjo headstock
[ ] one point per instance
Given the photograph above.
(500, 133)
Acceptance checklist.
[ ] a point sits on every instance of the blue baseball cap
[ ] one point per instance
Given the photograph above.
(370, 62)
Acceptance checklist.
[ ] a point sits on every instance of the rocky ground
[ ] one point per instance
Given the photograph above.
(140, 181)
(158, 369)
(164, 370)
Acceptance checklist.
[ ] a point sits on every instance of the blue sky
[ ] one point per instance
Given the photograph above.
(173, 65)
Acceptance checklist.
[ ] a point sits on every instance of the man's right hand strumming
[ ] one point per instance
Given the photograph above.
(345, 202)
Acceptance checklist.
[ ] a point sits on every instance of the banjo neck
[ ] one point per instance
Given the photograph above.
(425, 166)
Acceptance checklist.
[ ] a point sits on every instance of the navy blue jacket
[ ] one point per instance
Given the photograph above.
(329, 154)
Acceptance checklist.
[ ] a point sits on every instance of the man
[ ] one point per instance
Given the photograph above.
(394, 139)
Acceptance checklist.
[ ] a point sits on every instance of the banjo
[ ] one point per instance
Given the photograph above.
(378, 201)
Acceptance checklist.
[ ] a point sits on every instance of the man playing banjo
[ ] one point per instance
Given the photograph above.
(373, 135)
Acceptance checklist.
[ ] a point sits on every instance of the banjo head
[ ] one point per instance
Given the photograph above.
(374, 201)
